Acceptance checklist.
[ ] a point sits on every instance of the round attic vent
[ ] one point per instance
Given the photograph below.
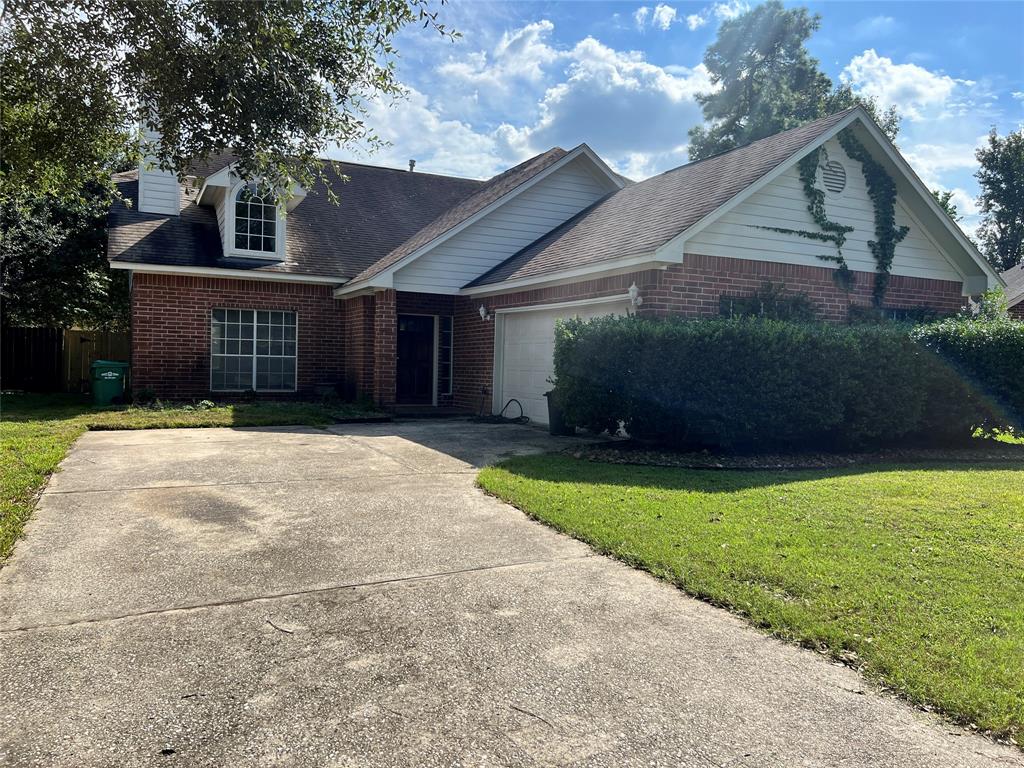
(834, 176)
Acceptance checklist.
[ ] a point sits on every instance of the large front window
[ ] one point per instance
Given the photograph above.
(253, 349)
(255, 221)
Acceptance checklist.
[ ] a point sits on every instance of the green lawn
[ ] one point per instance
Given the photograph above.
(37, 430)
(913, 573)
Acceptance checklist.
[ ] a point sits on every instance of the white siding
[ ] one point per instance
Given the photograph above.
(158, 190)
(504, 231)
(783, 204)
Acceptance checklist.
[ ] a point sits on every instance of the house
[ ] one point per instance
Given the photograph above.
(1014, 279)
(432, 290)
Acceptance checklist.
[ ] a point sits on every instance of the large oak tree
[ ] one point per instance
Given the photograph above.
(766, 82)
(275, 83)
(1001, 177)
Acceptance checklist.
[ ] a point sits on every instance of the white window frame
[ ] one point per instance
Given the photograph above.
(254, 356)
(277, 254)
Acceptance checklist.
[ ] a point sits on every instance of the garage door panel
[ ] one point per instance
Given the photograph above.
(527, 353)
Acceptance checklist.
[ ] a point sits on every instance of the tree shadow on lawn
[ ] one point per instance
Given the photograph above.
(565, 469)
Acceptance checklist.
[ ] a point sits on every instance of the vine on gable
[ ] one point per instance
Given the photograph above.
(831, 231)
(882, 191)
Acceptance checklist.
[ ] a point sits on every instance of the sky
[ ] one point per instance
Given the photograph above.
(622, 77)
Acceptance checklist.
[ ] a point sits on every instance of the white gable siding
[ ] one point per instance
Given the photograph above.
(782, 204)
(501, 233)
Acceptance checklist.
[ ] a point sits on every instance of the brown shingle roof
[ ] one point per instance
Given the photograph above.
(379, 209)
(1014, 278)
(641, 217)
(493, 189)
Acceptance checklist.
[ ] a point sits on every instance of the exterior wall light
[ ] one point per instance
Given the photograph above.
(483, 313)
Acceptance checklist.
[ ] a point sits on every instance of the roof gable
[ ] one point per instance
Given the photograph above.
(642, 217)
(495, 192)
(651, 221)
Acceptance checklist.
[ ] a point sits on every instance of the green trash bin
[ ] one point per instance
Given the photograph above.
(108, 378)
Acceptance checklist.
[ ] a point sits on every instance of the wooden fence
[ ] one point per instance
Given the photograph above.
(56, 359)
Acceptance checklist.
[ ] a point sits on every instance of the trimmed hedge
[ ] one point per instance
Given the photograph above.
(989, 354)
(758, 384)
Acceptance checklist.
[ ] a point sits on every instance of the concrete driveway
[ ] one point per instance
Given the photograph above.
(297, 597)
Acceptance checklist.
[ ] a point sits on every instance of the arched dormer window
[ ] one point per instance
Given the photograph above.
(255, 221)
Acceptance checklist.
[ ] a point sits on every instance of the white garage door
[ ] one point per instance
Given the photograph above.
(526, 361)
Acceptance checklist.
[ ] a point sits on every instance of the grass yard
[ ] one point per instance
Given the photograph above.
(913, 573)
(37, 430)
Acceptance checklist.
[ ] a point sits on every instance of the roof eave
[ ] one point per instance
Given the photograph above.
(608, 268)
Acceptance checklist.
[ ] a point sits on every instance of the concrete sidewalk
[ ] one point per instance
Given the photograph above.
(348, 597)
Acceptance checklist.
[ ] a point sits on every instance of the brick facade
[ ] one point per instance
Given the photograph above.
(1017, 311)
(693, 288)
(385, 354)
(171, 317)
(353, 342)
(358, 317)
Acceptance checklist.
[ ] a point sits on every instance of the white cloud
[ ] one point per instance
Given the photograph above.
(874, 27)
(414, 129)
(663, 16)
(720, 11)
(1018, 95)
(912, 89)
(932, 160)
(640, 16)
(634, 113)
(631, 111)
(522, 54)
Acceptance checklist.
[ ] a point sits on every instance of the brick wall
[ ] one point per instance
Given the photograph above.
(1017, 311)
(385, 338)
(691, 289)
(358, 319)
(171, 317)
(355, 340)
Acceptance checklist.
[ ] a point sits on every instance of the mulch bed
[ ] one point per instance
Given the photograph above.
(627, 452)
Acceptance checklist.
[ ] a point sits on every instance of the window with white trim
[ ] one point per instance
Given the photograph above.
(255, 221)
(444, 355)
(252, 349)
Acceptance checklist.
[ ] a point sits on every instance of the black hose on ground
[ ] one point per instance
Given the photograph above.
(501, 418)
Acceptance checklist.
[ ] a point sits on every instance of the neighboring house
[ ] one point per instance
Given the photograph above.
(1014, 279)
(424, 289)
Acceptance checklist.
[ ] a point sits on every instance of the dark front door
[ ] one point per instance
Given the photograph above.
(415, 372)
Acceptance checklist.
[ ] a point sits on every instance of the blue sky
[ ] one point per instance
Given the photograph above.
(622, 77)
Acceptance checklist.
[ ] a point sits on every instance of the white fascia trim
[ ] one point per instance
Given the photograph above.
(582, 149)
(219, 180)
(615, 298)
(922, 190)
(591, 271)
(676, 245)
(166, 269)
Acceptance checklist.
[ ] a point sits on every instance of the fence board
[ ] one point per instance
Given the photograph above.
(82, 348)
(55, 359)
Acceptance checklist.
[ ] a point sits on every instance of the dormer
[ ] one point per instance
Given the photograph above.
(252, 225)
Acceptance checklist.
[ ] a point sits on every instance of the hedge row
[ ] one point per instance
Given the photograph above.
(988, 354)
(757, 384)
